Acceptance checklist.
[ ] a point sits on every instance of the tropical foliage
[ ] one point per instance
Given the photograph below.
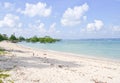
(14, 39)
(3, 37)
(2, 51)
(45, 39)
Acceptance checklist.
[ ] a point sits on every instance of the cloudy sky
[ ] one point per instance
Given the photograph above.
(67, 19)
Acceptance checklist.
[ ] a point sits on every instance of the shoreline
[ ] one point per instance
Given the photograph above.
(75, 54)
(30, 65)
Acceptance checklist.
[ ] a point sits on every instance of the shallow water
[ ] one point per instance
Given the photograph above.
(107, 48)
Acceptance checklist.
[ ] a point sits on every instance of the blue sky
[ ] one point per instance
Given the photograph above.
(67, 19)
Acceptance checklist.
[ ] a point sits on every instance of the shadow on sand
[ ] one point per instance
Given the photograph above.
(10, 62)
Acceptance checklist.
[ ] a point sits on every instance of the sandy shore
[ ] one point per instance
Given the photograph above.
(27, 65)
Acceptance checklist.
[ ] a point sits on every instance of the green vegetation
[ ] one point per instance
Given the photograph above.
(11, 81)
(21, 39)
(2, 51)
(3, 76)
(33, 39)
(45, 39)
(15, 39)
(3, 37)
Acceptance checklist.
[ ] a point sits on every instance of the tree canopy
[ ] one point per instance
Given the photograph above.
(3, 37)
(14, 39)
(45, 39)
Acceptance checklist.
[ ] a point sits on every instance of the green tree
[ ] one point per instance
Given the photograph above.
(13, 38)
(5, 37)
(21, 39)
(1, 37)
(48, 39)
(34, 39)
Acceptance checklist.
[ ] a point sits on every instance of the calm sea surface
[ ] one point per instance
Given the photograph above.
(107, 48)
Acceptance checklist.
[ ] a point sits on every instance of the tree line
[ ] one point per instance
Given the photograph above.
(14, 39)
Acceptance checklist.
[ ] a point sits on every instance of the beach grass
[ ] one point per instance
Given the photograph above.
(2, 51)
(3, 76)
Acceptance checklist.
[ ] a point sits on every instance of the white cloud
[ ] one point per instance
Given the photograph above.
(20, 24)
(52, 28)
(39, 9)
(95, 26)
(8, 5)
(10, 21)
(84, 18)
(74, 16)
(116, 28)
(41, 28)
(38, 28)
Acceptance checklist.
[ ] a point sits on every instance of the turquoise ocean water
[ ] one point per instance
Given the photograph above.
(107, 48)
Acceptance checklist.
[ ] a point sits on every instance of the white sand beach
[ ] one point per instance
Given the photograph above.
(27, 65)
